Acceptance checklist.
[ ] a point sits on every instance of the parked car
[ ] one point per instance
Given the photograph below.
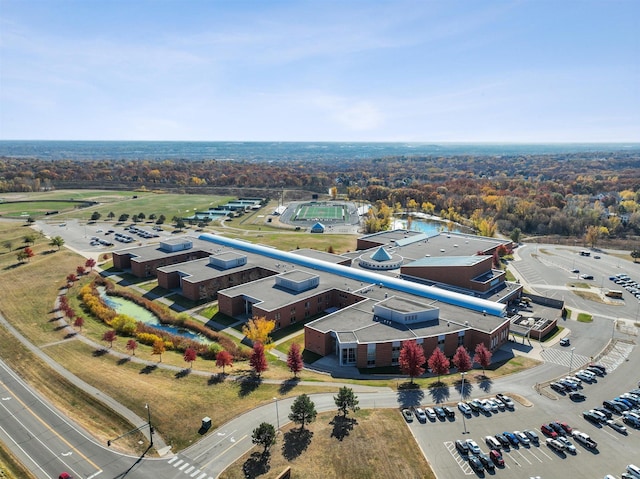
(486, 461)
(555, 444)
(464, 408)
(473, 446)
(496, 457)
(532, 435)
(508, 402)
(502, 406)
(585, 439)
(594, 370)
(475, 463)
(633, 470)
(565, 426)
(557, 387)
(604, 411)
(522, 438)
(616, 426)
(583, 376)
(449, 412)
(462, 447)
(586, 276)
(567, 445)
(502, 439)
(577, 396)
(565, 342)
(408, 415)
(431, 414)
(492, 442)
(557, 427)
(420, 414)
(591, 416)
(548, 431)
(513, 439)
(440, 412)
(600, 367)
(475, 405)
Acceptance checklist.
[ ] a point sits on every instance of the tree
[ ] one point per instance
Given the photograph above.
(294, 359)
(8, 244)
(635, 254)
(258, 329)
(346, 400)
(111, 215)
(71, 278)
(29, 239)
(223, 359)
(439, 363)
(22, 256)
(180, 224)
(109, 336)
(303, 411)
(132, 345)
(515, 235)
(462, 360)
(90, 263)
(123, 217)
(57, 241)
(95, 216)
(258, 360)
(78, 322)
(158, 348)
(411, 359)
(482, 356)
(190, 356)
(29, 253)
(80, 270)
(264, 435)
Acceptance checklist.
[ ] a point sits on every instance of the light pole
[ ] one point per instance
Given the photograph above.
(149, 422)
(571, 361)
(277, 414)
(463, 374)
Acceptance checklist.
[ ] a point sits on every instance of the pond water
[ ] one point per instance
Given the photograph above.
(425, 225)
(124, 306)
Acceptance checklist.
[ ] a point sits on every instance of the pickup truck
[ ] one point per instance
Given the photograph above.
(585, 439)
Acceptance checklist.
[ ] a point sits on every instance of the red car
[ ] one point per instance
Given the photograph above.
(548, 431)
(65, 475)
(496, 457)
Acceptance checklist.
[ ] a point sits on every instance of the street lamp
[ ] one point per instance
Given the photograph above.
(277, 413)
(149, 422)
(571, 362)
(463, 374)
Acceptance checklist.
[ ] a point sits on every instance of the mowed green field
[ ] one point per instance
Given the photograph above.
(116, 202)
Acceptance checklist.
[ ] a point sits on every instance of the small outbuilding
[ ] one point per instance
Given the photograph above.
(317, 228)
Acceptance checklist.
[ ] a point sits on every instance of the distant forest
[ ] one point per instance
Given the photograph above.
(595, 194)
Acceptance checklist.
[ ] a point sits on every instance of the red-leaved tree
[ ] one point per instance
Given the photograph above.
(90, 263)
(223, 359)
(439, 363)
(482, 356)
(190, 356)
(462, 360)
(258, 360)
(71, 278)
(80, 270)
(109, 336)
(294, 359)
(411, 359)
(78, 322)
(132, 345)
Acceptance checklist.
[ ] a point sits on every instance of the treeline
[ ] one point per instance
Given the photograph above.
(534, 194)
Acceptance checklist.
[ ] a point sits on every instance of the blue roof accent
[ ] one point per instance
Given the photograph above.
(449, 297)
(317, 226)
(448, 261)
(381, 255)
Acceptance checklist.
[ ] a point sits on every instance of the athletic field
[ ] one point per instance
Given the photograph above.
(321, 212)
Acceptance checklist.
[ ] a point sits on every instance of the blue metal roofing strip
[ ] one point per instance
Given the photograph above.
(449, 297)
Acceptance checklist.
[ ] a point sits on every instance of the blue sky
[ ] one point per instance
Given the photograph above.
(321, 70)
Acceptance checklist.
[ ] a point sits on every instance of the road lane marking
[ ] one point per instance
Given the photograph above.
(224, 438)
(227, 449)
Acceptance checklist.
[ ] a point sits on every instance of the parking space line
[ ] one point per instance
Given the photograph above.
(464, 465)
(531, 452)
(523, 456)
(545, 454)
(513, 458)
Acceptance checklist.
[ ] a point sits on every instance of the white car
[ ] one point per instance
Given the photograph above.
(431, 414)
(473, 446)
(522, 437)
(567, 444)
(420, 414)
(498, 403)
(464, 408)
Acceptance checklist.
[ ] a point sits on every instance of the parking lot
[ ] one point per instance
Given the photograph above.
(614, 451)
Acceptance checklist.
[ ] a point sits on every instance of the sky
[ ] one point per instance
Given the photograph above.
(321, 70)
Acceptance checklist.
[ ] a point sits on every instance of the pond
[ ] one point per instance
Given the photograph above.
(427, 225)
(124, 306)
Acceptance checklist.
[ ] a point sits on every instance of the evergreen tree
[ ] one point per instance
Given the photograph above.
(303, 411)
(346, 400)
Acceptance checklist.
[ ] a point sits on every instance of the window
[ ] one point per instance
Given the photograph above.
(395, 354)
(441, 342)
(371, 354)
(461, 338)
(348, 356)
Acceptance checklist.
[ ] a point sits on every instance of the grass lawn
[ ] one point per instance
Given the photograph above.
(334, 448)
(585, 318)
